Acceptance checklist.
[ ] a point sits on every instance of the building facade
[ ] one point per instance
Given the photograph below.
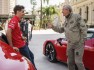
(6, 8)
(85, 8)
(12, 4)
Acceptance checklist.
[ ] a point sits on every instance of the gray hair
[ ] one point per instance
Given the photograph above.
(67, 7)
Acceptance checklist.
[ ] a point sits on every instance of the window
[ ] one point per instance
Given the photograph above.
(80, 11)
(87, 13)
(89, 34)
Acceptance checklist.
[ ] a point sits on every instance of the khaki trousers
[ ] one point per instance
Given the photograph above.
(75, 56)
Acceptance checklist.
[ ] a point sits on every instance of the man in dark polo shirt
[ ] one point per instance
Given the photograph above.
(14, 34)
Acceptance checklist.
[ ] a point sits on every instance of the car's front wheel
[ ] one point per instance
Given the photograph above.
(50, 52)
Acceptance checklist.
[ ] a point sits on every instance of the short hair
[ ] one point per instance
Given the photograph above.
(67, 7)
(18, 8)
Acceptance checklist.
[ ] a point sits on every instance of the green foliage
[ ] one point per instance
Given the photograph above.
(47, 1)
(48, 13)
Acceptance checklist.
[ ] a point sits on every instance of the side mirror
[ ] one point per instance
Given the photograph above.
(59, 41)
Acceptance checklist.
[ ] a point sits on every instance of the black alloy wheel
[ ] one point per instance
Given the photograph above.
(50, 52)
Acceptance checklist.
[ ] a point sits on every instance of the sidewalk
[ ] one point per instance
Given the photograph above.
(47, 31)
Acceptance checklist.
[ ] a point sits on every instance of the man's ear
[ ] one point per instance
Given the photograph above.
(17, 12)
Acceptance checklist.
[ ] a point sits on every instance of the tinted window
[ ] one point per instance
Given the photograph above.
(89, 34)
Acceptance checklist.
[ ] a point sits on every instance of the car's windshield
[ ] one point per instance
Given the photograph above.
(89, 34)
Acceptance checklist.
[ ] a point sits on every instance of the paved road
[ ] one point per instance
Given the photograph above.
(36, 45)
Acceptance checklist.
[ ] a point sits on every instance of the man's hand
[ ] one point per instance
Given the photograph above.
(24, 38)
(49, 25)
(16, 49)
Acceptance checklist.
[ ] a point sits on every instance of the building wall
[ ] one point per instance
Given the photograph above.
(85, 8)
(12, 4)
(0, 6)
(6, 6)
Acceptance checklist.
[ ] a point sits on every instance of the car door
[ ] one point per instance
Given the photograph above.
(61, 51)
(89, 51)
(88, 42)
(93, 42)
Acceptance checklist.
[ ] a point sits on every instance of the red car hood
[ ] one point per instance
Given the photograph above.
(12, 60)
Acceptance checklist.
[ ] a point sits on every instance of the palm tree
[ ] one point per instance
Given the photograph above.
(33, 2)
(41, 11)
(45, 1)
(47, 14)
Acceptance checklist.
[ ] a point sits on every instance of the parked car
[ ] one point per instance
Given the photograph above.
(10, 59)
(56, 50)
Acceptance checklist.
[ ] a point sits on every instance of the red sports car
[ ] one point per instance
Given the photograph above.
(12, 60)
(56, 50)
